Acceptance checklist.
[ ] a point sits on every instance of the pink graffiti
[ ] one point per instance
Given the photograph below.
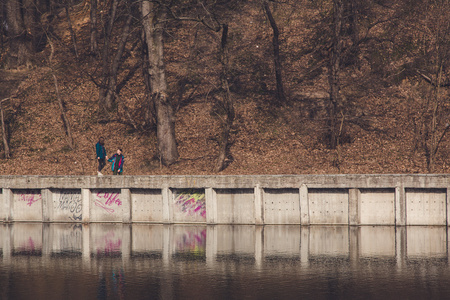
(110, 243)
(30, 198)
(192, 203)
(104, 200)
(192, 242)
(29, 246)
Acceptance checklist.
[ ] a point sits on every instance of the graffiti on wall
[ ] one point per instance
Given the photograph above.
(191, 202)
(108, 244)
(28, 247)
(192, 242)
(71, 239)
(30, 198)
(107, 201)
(70, 201)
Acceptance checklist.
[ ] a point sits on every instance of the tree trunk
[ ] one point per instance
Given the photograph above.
(65, 120)
(4, 136)
(335, 106)
(227, 104)
(153, 16)
(104, 82)
(21, 43)
(72, 32)
(114, 68)
(93, 26)
(276, 54)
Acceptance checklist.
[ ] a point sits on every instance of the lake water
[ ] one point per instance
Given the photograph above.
(115, 261)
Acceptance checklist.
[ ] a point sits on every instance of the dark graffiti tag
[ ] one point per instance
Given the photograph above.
(71, 202)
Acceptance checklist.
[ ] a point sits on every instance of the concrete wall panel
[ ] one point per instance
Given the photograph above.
(67, 205)
(146, 205)
(147, 239)
(106, 205)
(66, 238)
(281, 206)
(106, 239)
(27, 205)
(377, 206)
(328, 206)
(426, 206)
(189, 205)
(377, 241)
(239, 240)
(424, 241)
(27, 239)
(282, 240)
(329, 241)
(235, 206)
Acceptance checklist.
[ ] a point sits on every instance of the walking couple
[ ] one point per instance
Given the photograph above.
(117, 159)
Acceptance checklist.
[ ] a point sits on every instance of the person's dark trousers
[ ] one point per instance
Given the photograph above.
(101, 164)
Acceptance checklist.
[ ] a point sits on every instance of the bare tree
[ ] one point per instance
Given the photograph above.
(4, 131)
(93, 28)
(110, 67)
(65, 120)
(72, 32)
(153, 17)
(21, 48)
(335, 105)
(281, 98)
(226, 103)
(431, 121)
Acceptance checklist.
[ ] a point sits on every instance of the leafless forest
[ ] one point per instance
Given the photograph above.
(225, 86)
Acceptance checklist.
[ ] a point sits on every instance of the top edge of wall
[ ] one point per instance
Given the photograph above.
(228, 181)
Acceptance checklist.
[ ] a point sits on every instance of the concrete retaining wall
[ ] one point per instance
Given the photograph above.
(283, 199)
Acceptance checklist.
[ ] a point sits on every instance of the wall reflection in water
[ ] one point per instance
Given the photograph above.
(117, 261)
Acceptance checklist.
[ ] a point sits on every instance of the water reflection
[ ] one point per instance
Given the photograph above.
(117, 261)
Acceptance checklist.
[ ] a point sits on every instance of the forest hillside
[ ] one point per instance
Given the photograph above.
(251, 87)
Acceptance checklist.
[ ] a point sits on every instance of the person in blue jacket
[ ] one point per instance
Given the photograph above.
(101, 155)
(117, 162)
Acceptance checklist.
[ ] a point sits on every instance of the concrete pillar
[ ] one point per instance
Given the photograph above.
(2, 214)
(86, 204)
(354, 233)
(400, 246)
(354, 207)
(125, 195)
(7, 245)
(47, 238)
(258, 205)
(211, 246)
(126, 244)
(400, 206)
(211, 206)
(166, 249)
(304, 246)
(448, 207)
(304, 205)
(259, 249)
(86, 247)
(167, 197)
(47, 205)
(8, 198)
